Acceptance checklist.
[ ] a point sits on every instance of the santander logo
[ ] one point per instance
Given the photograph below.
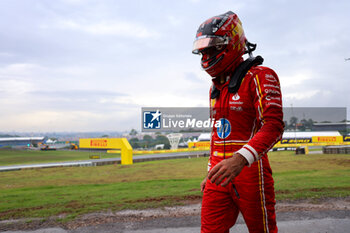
(236, 97)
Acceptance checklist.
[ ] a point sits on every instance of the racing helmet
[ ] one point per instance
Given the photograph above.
(224, 36)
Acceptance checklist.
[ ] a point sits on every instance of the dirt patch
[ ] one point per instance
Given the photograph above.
(192, 208)
(12, 213)
(312, 190)
(185, 199)
(314, 205)
(75, 205)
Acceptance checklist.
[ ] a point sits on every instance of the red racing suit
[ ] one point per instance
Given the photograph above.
(251, 123)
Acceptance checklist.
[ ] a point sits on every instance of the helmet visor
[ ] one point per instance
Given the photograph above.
(206, 42)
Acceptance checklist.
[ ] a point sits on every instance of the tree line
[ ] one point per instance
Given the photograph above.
(148, 141)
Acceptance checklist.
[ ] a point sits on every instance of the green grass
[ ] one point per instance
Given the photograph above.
(310, 176)
(77, 190)
(78, 199)
(11, 157)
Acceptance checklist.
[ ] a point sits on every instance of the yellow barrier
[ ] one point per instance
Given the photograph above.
(201, 144)
(166, 151)
(316, 141)
(306, 150)
(113, 151)
(121, 145)
(109, 143)
(279, 145)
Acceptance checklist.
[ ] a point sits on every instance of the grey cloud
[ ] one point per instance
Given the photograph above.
(292, 36)
(78, 100)
(77, 94)
(193, 77)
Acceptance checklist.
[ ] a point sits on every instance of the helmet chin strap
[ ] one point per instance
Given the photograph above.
(250, 48)
(238, 75)
(241, 71)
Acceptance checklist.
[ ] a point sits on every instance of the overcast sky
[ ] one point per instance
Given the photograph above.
(90, 65)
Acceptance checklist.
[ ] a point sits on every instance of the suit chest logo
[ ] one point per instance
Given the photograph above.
(236, 97)
(235, 100)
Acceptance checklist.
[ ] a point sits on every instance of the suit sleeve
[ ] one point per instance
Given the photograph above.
(268, 107)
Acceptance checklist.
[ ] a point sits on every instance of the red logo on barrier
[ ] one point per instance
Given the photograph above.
(327, 139)
(98, 143)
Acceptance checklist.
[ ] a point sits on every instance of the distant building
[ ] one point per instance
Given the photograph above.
(309, 134)
(204, 137)
(341, 126)
(20, 141)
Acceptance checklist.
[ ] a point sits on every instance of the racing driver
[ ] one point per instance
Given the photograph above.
(246, 99)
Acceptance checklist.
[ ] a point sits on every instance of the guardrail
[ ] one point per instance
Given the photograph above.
(101, 162)
(336, 149)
